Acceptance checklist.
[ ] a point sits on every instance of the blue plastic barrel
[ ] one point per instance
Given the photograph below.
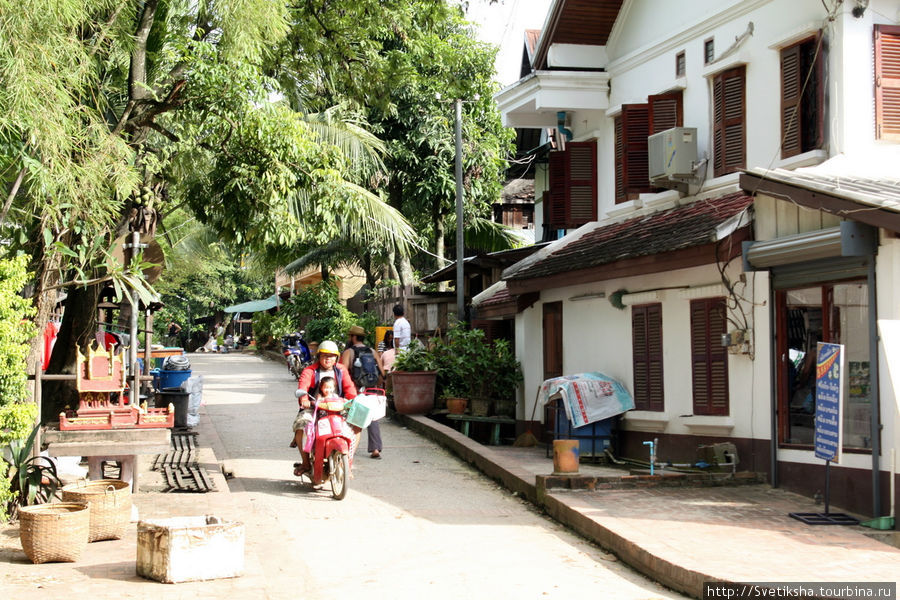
(172, 379)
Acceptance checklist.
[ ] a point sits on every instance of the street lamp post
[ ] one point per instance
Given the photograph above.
(460, 248)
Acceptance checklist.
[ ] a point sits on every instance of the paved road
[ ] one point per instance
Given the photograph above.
(418, 523)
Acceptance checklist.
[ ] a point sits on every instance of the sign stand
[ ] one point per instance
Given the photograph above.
(829, 400)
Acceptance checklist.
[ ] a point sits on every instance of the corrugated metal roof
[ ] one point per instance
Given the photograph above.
(881, 192)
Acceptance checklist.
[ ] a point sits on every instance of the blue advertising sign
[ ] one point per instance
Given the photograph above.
(829, 399)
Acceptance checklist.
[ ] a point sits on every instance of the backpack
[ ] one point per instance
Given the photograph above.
(365, 369)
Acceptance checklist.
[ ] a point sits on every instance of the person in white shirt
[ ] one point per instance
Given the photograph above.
(402, 330)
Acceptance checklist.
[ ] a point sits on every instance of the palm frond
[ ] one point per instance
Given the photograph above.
(489, 236)
(362, 149)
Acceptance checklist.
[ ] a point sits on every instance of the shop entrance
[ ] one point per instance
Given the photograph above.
(836, 312)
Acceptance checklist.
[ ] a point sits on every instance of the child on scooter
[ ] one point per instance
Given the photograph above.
(326, 393)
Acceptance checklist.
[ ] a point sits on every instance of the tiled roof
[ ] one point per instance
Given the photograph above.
(597, 244)
(496, 294)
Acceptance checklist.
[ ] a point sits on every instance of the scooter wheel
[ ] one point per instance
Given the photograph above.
(340, 475)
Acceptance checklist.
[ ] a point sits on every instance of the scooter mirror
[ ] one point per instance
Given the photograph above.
(300, 393)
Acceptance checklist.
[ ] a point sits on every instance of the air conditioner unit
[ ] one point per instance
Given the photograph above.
(673, 153)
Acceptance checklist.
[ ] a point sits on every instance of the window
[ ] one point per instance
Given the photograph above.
(632, 127)
(553, 347)
(646, 338)
(573, 186)
(802, 110)
(709, 51)
(887, 82)
(729, 152)
(709, 359)
(837, 313)
(680, 64)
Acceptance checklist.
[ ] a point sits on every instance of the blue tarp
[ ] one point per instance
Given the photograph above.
(588, 397)
(254, 305)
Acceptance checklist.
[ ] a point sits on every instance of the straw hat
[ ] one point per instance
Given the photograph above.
(356, 330)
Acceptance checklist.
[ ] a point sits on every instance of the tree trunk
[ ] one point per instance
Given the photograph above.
(78, 330)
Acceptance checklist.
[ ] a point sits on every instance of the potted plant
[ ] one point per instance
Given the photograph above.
(454, 399)
(485, 373)
(413, 380)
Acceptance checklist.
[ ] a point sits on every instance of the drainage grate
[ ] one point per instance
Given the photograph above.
(180, 466)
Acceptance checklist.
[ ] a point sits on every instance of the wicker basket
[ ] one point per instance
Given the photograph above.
(54, 532)
(110, 501)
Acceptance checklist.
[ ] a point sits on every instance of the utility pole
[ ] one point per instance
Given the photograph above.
(460, 248)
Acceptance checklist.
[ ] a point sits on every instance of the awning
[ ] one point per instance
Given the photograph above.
(254, 305)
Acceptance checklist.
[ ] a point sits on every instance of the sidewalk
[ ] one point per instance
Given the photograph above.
(684, 536)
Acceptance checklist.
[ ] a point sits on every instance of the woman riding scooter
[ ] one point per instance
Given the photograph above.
(326, 365)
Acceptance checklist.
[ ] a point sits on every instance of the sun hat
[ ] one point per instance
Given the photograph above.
(356, 330)
(329, 347)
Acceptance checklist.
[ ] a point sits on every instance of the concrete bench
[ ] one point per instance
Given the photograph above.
(464, 420)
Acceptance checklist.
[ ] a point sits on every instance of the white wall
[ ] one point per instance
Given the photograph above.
(597, 337)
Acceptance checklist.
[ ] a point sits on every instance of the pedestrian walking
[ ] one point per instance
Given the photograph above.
(402, 330)
(364, 365)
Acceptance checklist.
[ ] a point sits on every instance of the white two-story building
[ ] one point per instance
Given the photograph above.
(701, 265)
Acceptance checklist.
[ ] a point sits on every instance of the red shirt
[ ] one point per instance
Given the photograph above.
(308, 379)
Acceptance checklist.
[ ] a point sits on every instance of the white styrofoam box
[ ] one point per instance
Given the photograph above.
(189, 549)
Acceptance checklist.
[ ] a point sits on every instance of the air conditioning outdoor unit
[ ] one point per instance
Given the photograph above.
(673, 153)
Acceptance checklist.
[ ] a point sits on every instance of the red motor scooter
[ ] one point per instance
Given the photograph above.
(330, 447)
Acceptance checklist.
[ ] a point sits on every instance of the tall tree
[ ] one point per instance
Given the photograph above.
(112, 113)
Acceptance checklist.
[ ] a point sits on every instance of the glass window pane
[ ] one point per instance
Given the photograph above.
(850, 326)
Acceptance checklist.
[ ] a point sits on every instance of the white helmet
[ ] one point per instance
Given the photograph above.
(329, 347)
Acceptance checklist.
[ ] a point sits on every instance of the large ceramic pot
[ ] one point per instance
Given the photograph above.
(413, 391)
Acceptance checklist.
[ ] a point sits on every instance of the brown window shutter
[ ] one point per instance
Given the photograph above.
(791, 87)
(646, 330)
(559, 188)
(709, 360)
(553, 348)
(582, 201)
(665, 112)
(636, 164)
(729, 147)
(887, 82)
(620, 160)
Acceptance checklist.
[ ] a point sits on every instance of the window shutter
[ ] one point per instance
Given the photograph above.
(646, 328)
(558, 188)
(553, 348)
(620, 161)
(791, 86)
(635, 125)
(665, 112)
(582, 185)
(709, 360)
(728, 115)
(887, 82)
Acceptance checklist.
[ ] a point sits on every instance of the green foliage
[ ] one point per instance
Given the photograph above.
(15, 331)
(416, 357)
(32, 479)
(466, 365)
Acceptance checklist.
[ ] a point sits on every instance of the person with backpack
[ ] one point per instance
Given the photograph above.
(364, 365)
(308, 384)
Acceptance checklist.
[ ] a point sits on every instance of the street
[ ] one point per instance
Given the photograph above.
(417, 523)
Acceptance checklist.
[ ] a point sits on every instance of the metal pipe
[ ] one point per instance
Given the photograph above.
(773, 387)
(133, 343)
(460, 248)
(874, 389)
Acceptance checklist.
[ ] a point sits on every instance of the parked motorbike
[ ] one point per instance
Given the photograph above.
(329, 442)
(296, 353)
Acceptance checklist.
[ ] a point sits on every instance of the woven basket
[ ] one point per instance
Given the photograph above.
(110, 501)
(54, 532)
